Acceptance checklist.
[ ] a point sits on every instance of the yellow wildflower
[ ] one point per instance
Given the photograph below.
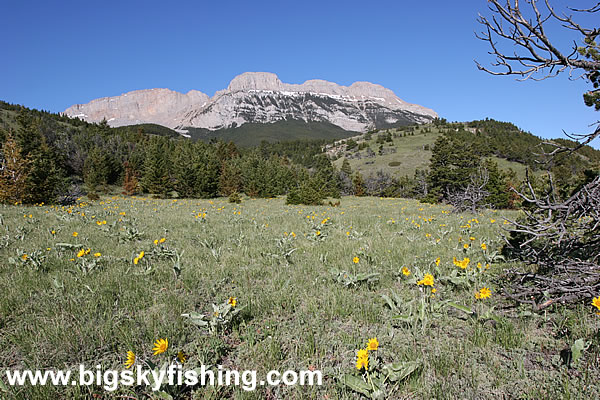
(155, 242)
(75, 234)
(232, 301)
(24, 257)
(463, 263)
(362, 359)
(162, 240)
(81, 253)
(181, 357)
(130, 359)
(596, 302)
(483, 293)
(97, 254)
(437, 262)
(483, 246)
(405, 271)
(355, 260)
(160, 346)
(466, 246)
(373, 344)
(427, 280)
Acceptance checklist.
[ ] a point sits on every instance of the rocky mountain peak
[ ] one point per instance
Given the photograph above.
(258, 97)
(255, 81)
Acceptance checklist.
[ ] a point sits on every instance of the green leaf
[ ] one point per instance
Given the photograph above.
(67, 245)
(400, 370)
(461, 307)
(196, 318)
(389, 302)
(577, 348)
(404, 318)
(356, 384)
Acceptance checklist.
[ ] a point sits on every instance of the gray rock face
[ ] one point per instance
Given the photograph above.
(258, 97)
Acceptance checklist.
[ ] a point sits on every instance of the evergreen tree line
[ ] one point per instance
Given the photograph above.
(45, 158)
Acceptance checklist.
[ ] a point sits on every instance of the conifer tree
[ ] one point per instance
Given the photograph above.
(95, 172)
(14, 169)
(155, 178)
(358, 185)
(230, 178)
(346, 168)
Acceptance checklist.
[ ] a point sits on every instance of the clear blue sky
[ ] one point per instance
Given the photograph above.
(55, 54)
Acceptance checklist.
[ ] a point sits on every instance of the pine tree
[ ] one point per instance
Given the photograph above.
(44, 176)
(451, 165)
(230, 178)
(95, 172)
(155, 178)
(358, 185)
(327, 176)
(346, 168)
(14, 169)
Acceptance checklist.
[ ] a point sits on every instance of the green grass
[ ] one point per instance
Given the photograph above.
(295, 313)
(411, 153)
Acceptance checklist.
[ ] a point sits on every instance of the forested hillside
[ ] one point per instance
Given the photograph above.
(48, 157)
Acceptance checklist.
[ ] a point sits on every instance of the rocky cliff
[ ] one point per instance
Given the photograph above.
(258, 97)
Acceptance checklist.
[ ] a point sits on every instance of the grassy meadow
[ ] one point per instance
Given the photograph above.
(312, 286)
(412, 152)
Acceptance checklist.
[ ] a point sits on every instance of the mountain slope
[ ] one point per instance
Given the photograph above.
(252, 134)
(258, 97)
(410, 148)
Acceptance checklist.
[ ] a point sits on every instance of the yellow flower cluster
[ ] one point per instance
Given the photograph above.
(362, 355)
(427, 280)
(462, 263)
(161, 240)
(83, 252)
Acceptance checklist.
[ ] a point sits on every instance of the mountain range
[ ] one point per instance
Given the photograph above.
(258, 98)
